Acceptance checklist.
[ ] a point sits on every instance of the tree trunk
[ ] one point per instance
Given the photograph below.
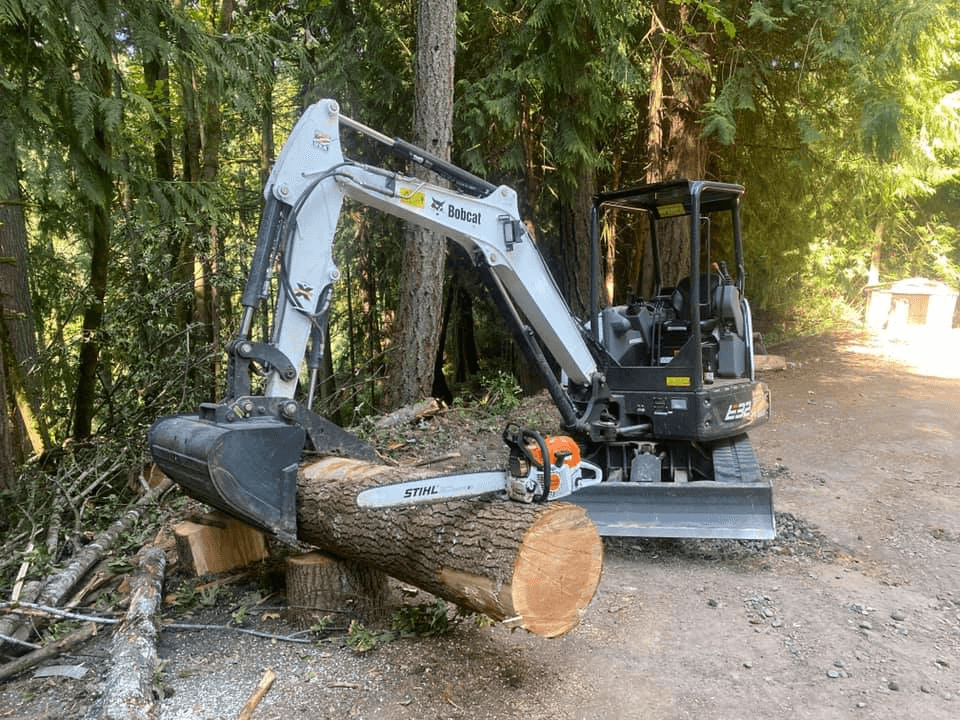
(535, 565)
(574, 244)
(100, 214)
(7, 453)
(421, 299)
(678, 92)
(182, 246)
(317, 581)
(18, 344)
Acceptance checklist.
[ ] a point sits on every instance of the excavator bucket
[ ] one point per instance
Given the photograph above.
(248, 468)
(740, 511)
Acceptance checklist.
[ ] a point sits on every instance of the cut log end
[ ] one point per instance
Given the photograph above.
(221, 544)
(557, 570)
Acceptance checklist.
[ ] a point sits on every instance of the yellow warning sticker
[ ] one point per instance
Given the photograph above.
(678, 381)
(673, 210)
(413, 197)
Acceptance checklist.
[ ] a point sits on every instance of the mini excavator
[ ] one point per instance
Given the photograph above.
(656, 395)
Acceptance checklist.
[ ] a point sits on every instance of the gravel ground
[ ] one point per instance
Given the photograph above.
(853, 611)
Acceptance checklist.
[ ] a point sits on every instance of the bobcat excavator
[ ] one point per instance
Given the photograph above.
(656, 395)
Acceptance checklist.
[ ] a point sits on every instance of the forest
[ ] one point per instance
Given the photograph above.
(137, 137)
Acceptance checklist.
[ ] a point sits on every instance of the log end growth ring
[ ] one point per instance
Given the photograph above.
(557, 570)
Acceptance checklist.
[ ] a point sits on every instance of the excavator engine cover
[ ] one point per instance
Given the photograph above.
(247, 468)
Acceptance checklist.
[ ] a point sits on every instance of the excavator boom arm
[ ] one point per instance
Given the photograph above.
(312, 176)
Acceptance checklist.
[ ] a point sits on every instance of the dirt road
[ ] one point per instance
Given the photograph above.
(853, 612)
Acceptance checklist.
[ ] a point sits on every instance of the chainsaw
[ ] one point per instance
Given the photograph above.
(540, 468)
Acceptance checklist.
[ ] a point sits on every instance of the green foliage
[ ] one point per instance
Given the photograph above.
(502, 392)
(424, 620)
(411, 621)
(363, 640)
(541, 88)
(834, 116)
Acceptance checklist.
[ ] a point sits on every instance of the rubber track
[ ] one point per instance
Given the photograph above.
(735, 461)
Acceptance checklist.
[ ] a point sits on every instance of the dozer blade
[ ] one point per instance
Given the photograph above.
(741, 511)
(247, 468)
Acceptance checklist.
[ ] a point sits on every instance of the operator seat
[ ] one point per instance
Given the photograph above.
(726, 300)
(681, 295)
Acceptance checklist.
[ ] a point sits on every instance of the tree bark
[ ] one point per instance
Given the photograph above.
(317, 581)
(129, 688)
(534, 565)
(678, 91)
(7, 452)
(421, 299)
(98, 168)
(27, 433)
(573, 267)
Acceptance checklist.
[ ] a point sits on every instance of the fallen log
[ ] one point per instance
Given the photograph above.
(409, 413)
(51, 650)
(536, 566)
(764, 363)
(128, 694)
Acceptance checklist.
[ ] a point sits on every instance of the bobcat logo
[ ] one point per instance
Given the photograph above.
(437, 205)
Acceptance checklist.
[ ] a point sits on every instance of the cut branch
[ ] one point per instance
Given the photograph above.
(57, 588)
(263, 687)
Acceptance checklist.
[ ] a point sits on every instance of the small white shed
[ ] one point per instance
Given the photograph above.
(914, 302)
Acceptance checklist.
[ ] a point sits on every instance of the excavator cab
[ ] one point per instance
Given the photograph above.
(679, 369)
(685, 241)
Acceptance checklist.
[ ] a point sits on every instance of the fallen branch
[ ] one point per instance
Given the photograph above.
(294, 638)
(59, 586)
(100, 578)
(438, 459)
(18, 641)
(14, 667)
(128, 693)
(11, 629)
(56, 588)
(34, 610)
(409, 413)
(263, 687)
(46, 611)
(21, 574)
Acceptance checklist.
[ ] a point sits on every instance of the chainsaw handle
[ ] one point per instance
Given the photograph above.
(517, 439)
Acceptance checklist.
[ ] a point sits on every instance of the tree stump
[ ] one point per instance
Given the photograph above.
(318, 582)
(535, 565)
